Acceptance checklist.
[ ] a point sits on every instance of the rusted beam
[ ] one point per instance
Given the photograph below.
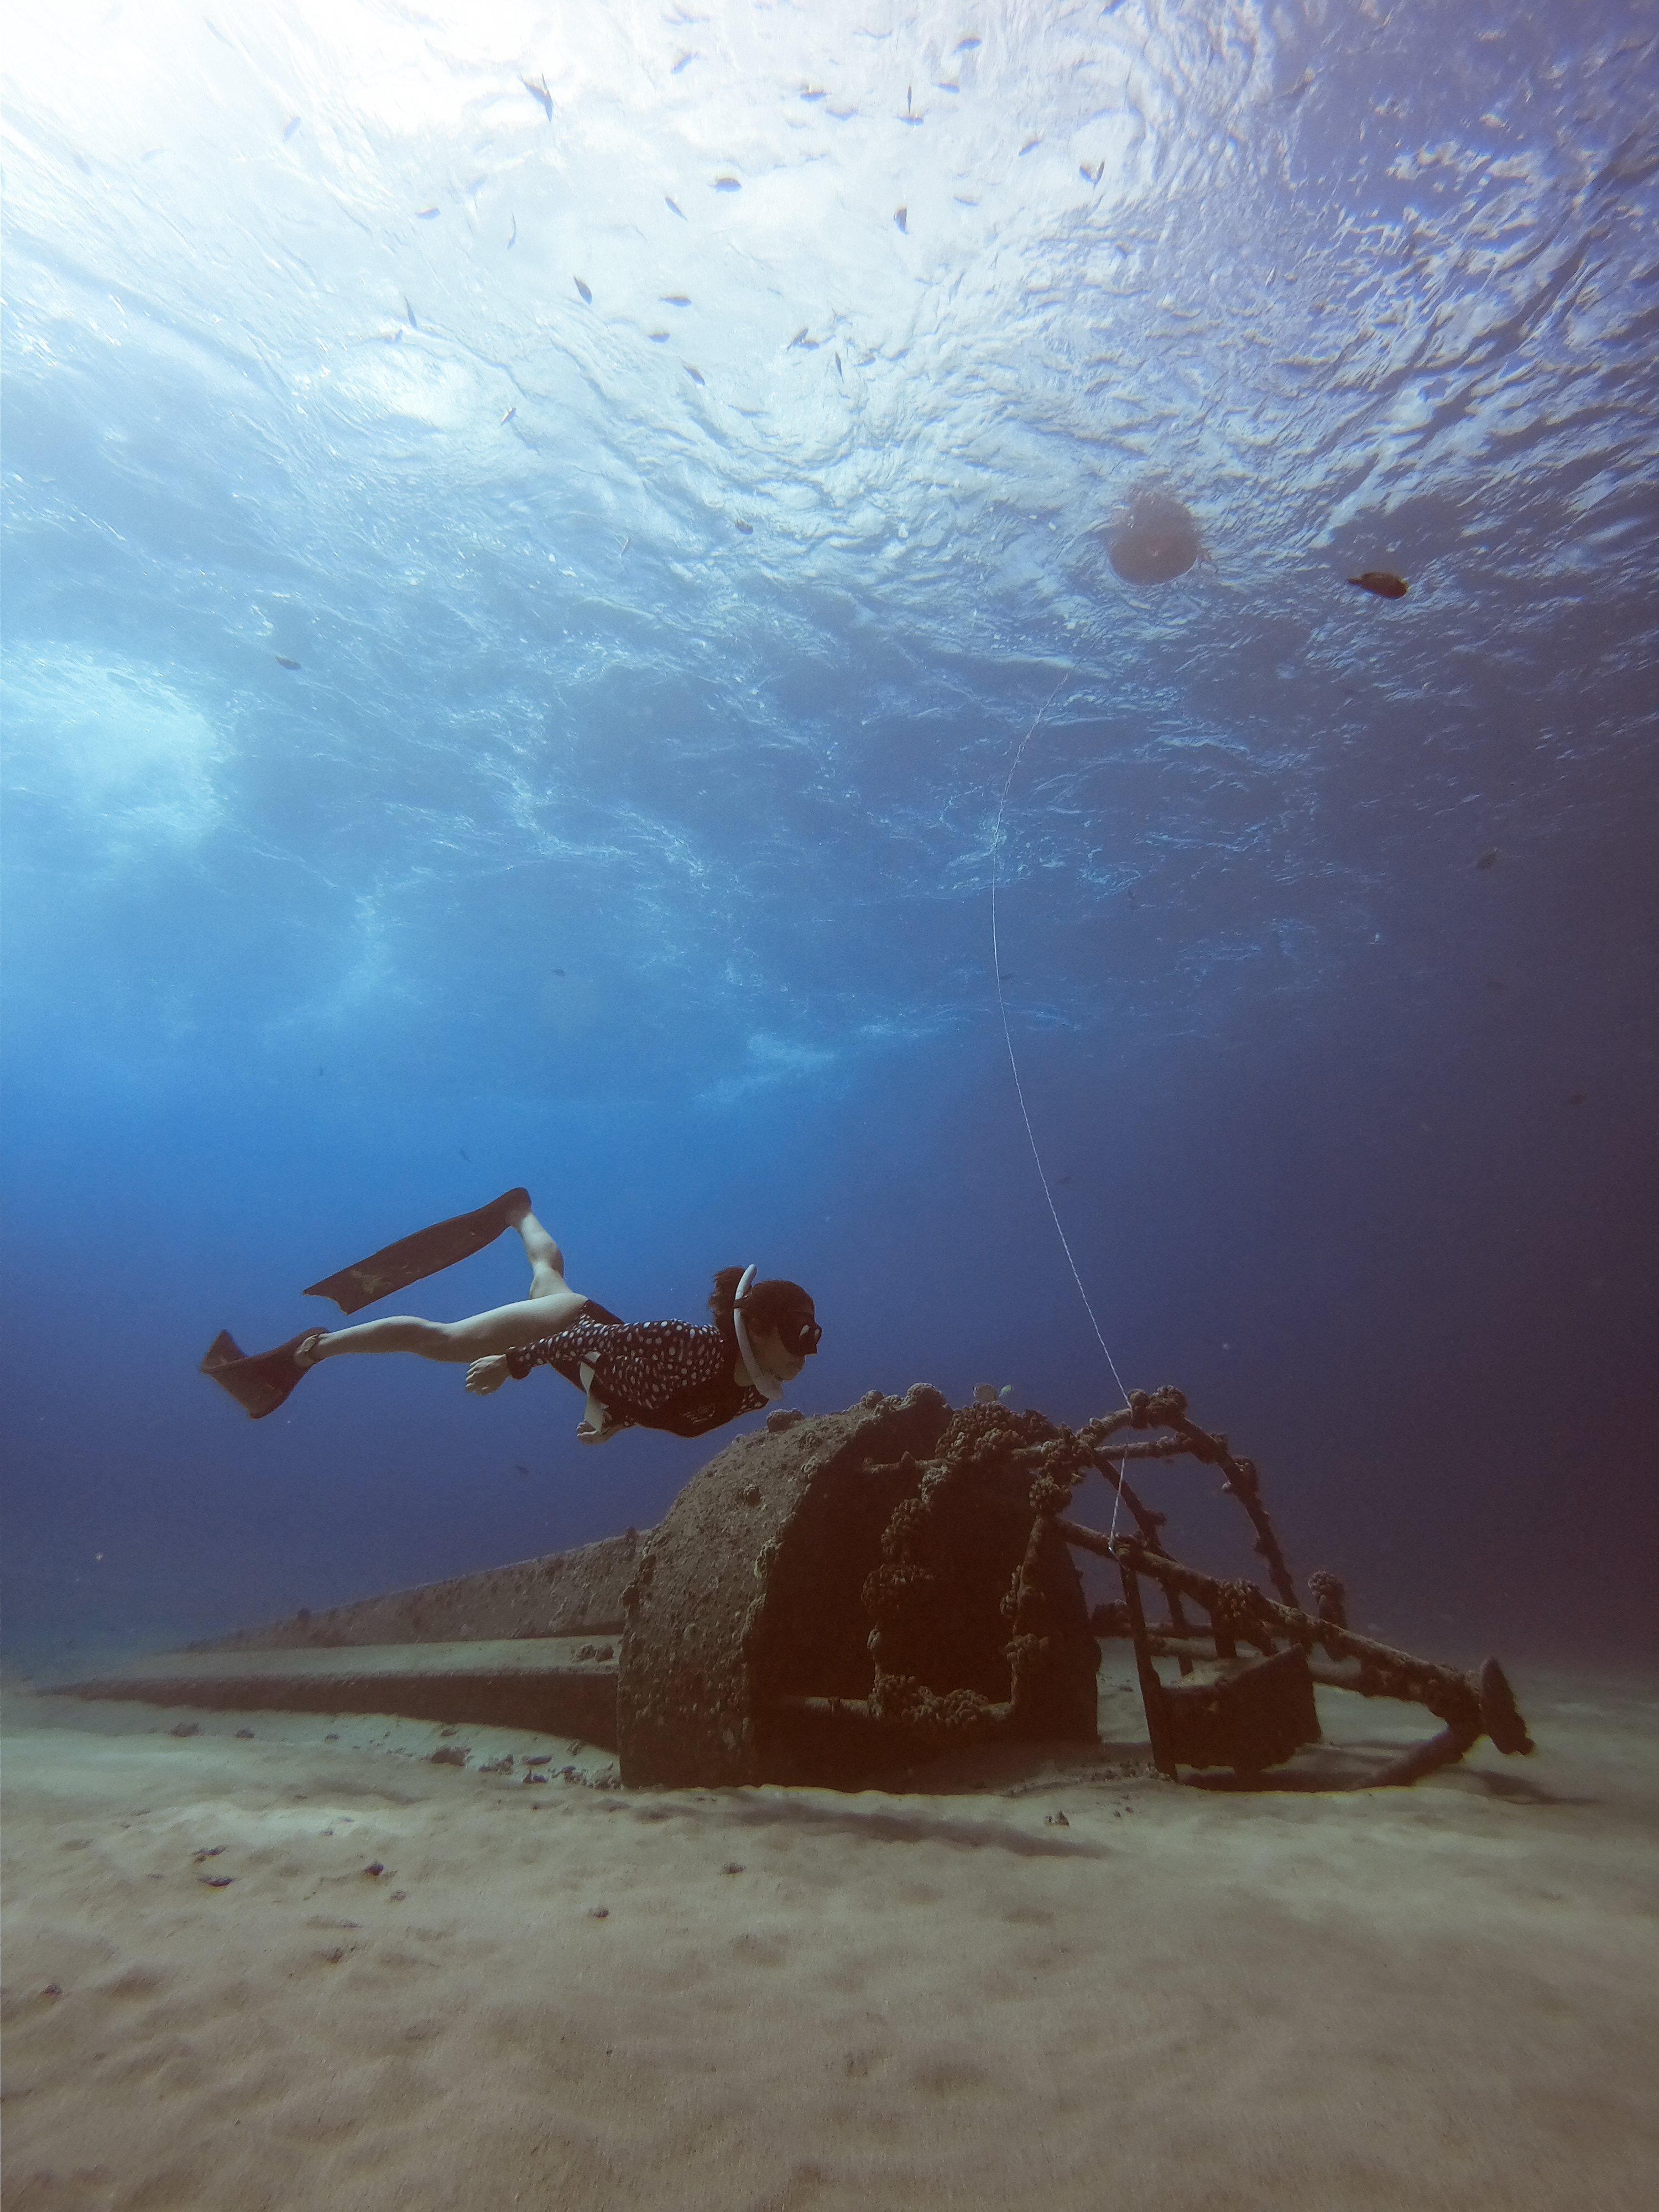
(574, 1593)
(1381, 1671)
(548, 1684)
(1151, 1690)
(1166, 1408)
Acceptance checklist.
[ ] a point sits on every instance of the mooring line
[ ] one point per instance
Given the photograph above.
(1013, 1060)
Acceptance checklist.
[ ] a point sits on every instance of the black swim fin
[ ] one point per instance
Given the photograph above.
(257, 1381)
(413, 1258)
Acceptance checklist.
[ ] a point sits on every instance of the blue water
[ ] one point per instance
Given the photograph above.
(625, 829)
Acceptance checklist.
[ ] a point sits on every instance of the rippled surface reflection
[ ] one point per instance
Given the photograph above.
(640, 472)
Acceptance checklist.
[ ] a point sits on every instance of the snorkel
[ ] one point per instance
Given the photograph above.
(768, 1385)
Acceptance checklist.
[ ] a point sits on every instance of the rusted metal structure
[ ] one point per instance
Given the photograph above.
(833, 1598)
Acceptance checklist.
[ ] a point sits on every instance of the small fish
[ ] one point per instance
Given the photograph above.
(727, 184)
(678, 209)
(518, 1467)
(1577, 1098)
(696, 375)
(747, 528)
(507, 418)
(902, 220)
(282, 661)
(560, 973)
(674, 298)
(292, 126)
(512, 234)
(1383, 583)
(1488, 860)
(409, 312)
(587, 297)
(539, 93)
(426, 215)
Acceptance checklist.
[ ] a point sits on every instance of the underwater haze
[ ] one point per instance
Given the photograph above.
(535, 537)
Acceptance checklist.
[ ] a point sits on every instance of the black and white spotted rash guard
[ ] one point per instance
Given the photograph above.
(647, 1374)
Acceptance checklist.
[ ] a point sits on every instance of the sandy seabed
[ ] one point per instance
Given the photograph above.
(572, 1995)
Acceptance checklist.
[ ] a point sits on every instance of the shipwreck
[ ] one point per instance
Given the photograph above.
(835, 1599)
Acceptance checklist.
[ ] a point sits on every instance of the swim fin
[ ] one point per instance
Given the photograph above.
(413, 1258)
(257, 1381)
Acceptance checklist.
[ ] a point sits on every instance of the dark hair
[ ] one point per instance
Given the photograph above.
(770, 1305)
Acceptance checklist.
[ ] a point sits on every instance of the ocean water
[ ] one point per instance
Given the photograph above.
(536, 538)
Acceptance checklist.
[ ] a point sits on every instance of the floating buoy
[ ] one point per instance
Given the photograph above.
(1156, 541)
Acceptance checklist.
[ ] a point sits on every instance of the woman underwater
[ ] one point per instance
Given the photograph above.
(652, 1375)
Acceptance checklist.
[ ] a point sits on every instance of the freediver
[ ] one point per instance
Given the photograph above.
(668, 1375)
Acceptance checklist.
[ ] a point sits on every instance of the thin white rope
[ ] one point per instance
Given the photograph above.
(1013, 1061)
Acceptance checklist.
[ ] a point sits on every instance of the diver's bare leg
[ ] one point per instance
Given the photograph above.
(504, 1328)
(546, 1261)
(552, 1306)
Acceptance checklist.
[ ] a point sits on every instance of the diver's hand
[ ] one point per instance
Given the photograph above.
(486, 1375)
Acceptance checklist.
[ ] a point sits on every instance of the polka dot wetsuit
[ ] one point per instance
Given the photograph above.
(647, 1374)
